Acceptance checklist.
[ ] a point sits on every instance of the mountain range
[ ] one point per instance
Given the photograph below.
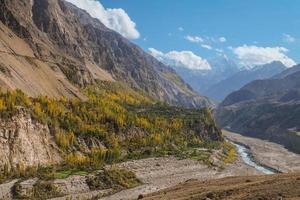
(225, 76)
(203, 80)
(267, 109)
(223, 88)
(53, 48)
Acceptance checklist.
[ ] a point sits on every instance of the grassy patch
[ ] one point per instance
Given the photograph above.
(67, 173)
(196, 154)
(46, 173)
(116, 179)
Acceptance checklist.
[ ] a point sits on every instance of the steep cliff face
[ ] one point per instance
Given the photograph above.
(25, 142)
(75, 49)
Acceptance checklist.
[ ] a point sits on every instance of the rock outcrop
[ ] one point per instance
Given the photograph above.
(27, 143)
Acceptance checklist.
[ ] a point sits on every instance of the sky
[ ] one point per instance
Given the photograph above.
(190, 32)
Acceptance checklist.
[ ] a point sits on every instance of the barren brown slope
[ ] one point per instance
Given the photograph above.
(279, 186)
(80, 48)
(21, 69)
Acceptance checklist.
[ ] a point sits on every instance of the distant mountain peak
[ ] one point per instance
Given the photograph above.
(223, 88)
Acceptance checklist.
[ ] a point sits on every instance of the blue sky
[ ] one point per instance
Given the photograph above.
(260, 25)
(255, 22)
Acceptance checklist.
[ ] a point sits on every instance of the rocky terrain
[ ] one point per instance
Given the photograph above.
(154, 173)
(283, 186)
(267, 109)
(24, 142)
(53, 48)
(161, 173)
(72, 187)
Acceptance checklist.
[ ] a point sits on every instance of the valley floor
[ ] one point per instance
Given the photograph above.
(161, 173)
(171, 178)
(268, 153)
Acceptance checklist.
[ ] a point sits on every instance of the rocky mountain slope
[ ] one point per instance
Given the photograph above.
(267, 109)
(51, 47)
(223, 88)
(287, 72)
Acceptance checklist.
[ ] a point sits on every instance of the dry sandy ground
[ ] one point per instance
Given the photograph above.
(268, 153)
(274, 187)
(161, 173)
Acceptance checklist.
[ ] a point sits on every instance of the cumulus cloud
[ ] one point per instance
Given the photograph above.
(206, 46)
(115, 19)
(251, 56)
(288, 38)
(222, 39)
(180, 28)
(194, 39)
(184, 59)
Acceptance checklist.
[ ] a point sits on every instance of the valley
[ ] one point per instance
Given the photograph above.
(90, 111)
(166, 173)
(268, 153)
(245, 185)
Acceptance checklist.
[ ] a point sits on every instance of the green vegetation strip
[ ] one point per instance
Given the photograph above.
(126, 124)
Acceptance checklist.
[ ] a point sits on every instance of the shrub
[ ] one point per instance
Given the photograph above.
(230, 153)
(113, 178)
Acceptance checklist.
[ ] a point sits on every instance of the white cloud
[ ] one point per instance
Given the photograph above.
(288, 38)
(181, 29)
(185, 59)
(115, 19)
(222, 39)
(251, 56)
(194, 39)
(206, 46)
(219, 50)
